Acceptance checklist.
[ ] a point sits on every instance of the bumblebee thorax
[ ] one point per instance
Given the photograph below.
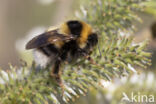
(77, 28)
(86, 31)
(64, 29)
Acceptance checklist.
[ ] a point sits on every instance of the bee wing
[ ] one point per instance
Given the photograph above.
(48, 38)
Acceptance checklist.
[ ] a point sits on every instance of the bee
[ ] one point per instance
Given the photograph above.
(72, 40)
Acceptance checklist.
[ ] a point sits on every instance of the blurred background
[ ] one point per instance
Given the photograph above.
(22, 19)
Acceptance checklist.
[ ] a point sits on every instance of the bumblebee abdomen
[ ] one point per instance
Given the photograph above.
(49, 50)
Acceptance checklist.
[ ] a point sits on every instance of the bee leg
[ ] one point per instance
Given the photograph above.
(86, 56)
(92, 61)
(56, 73)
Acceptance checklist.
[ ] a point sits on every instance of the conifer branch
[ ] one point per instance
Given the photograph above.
(116, 55)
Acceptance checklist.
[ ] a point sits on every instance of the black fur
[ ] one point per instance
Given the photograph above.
(75, 27)
(75, 51)
(70, 48)
(44, 51)
(92, 40)
(70, 51)
(57, 66)
(49, 49)
(52, 48)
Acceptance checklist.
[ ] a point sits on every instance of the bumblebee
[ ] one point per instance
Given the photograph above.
(74, 39)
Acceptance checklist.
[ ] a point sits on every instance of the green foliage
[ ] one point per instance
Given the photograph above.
(113, 93)
(116, 56)
(151, 7)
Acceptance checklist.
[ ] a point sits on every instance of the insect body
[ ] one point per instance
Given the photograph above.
(72, 40)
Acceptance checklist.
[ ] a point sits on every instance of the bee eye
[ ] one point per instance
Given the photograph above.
(93, 39)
